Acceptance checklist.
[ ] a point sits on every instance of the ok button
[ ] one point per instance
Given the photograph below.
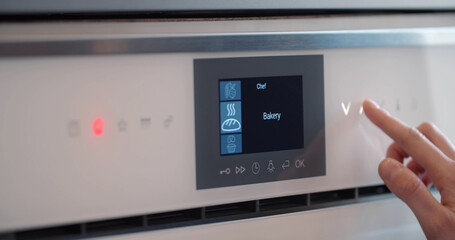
(299, 163)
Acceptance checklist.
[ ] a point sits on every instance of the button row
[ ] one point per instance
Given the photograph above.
(270, 167)
(346, 106)
(74, 126)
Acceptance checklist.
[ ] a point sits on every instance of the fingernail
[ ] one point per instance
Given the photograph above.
(374, 104)
(378, 107)
(387, 168)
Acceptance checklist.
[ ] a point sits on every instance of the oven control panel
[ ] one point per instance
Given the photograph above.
(258, 119)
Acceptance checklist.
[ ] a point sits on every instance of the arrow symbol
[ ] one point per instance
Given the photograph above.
(240, 170)
(286, 164)
(346, 108)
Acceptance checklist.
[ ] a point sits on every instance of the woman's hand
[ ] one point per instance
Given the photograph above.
(432, 161)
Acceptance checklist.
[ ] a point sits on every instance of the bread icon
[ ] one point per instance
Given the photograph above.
(231, 125)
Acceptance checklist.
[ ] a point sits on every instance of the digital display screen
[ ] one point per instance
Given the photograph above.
(261, 114)
(258, 119)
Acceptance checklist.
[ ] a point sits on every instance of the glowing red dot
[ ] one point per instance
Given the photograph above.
(98, 127)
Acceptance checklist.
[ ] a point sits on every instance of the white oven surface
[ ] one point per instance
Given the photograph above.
(54, 171)
(387, 219)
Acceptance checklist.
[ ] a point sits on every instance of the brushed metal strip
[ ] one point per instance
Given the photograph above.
(69, 6)
(233, 42)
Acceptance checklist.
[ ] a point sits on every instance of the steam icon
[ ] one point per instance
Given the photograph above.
(231, 124)
(231, 109)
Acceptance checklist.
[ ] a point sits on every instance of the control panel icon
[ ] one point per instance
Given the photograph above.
(286, 164)
(168, 121)
(299, 163)
(240, 170)
(231, 117)
(255, 168)
(98, 125)
(346, 108)
(146, 122)
(121, 125)
(231, 125)
(231, 143)
(270, 167)
(226, 171)
(230, 90)
(73, 128)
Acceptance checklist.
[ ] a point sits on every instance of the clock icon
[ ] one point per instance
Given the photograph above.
(256, 168)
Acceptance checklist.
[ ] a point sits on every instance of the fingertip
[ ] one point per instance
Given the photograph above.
(369, 107)
(368, 103)
(387, 168)
(376, 114)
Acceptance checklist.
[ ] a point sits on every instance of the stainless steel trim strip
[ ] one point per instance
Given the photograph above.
(69, 6)
(234, 42)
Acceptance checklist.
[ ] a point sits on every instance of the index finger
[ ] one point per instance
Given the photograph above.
(409, 138)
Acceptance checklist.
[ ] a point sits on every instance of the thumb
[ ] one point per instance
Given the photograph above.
(409, 188)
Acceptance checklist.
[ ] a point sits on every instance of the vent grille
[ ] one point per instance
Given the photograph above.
(115, 225)
(374, 190)
(332, 196)
(289, 202)
(69, 231)
(233, 209)
(205, 215)
(175, 217)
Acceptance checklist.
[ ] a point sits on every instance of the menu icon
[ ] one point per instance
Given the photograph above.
(230, 90)
(231, 143)
(231, 117)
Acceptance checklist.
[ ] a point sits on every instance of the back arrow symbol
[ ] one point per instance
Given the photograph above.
(286, 164)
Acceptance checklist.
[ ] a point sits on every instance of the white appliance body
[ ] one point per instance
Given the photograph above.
(54, 172)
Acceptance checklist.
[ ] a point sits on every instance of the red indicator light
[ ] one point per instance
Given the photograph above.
(98, 127)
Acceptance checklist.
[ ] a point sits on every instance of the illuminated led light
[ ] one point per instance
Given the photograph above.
(98, 127)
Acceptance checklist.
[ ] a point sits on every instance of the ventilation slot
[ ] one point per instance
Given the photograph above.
(291, 202)
(176, 217)
(332, 196)
(205, 215)
(70, 231)
(7, 236)
(117, 225)
(373, 191)
(234, 209)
